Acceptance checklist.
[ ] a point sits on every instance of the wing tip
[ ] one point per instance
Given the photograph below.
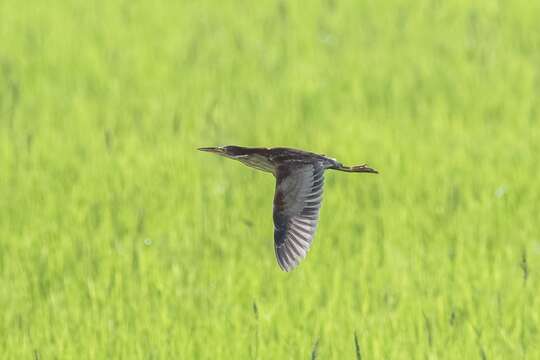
(286, 258)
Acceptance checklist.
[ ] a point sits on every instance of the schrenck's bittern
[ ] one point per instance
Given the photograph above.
(297, 200)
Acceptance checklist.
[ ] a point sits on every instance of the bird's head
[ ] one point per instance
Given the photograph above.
(229, 151)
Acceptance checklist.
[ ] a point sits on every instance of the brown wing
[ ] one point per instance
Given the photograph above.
(298, 197)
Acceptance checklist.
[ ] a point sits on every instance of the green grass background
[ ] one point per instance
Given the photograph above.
(119, 240)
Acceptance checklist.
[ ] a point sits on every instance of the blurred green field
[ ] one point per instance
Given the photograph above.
(119, 240)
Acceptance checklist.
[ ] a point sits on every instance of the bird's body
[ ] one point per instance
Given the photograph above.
(298, 195)
(269, 159)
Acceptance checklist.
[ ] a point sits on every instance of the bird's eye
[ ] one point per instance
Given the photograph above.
(232, 150)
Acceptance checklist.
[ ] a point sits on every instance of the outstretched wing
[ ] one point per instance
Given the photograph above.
(299, 190)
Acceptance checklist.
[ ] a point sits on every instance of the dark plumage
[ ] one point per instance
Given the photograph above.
(297, 200)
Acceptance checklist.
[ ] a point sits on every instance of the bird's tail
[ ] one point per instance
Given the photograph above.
(355, 168)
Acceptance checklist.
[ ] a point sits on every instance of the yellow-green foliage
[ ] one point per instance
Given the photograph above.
(119, 240)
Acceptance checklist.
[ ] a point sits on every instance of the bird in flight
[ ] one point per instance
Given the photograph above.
(297, 200)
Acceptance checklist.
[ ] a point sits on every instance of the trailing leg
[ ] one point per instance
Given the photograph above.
(355, 168)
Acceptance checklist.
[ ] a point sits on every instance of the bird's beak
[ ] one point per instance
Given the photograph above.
(215, 150)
